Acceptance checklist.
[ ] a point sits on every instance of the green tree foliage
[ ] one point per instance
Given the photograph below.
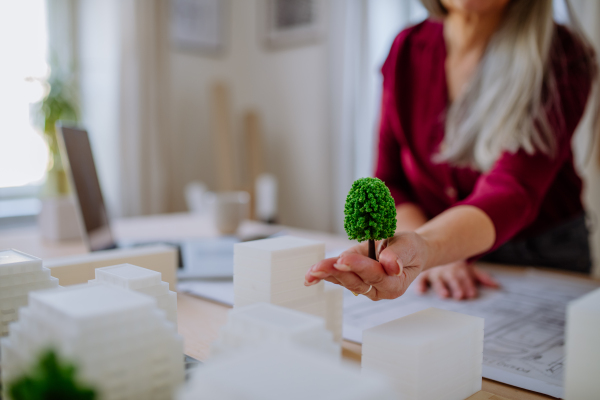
(50, 379)
(370, 213)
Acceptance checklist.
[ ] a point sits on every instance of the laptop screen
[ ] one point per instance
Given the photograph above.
(77, 153)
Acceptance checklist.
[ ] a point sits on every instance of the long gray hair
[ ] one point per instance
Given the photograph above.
(502, 107)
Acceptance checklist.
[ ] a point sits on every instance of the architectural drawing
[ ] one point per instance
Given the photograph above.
(524, 324)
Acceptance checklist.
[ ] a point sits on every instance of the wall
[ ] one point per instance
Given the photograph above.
(287, 87)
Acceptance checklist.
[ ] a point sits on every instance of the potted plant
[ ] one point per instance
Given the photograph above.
(57, 219)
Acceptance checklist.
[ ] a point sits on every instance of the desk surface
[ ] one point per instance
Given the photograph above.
(199, 320)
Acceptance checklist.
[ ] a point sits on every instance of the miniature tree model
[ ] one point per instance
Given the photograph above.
(370, 213)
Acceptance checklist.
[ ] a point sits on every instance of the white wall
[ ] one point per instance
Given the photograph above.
(289, 88)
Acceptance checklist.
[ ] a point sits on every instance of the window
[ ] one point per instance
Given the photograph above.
(23, 44)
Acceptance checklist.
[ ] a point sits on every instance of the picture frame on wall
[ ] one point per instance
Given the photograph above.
(290, 23)
(199, 25)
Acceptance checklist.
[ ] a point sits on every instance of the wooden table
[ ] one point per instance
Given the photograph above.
(199, 320)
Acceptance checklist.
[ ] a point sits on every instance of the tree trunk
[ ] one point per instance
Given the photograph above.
(372, 254)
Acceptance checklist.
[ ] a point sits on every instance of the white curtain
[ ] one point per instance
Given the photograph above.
(123, 60)
(361, 35)
(143, 108)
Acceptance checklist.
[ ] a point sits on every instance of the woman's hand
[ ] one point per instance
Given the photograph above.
(457, 280)
(401, 259)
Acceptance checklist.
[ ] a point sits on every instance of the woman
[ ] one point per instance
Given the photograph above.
(479, 107)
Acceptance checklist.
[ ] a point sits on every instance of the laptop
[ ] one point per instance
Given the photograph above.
(198, 258)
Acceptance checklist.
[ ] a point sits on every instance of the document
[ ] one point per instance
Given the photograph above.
(524, 324)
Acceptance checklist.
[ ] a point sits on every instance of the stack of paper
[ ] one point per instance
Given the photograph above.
(121, 342)
(582, 365)
(273, 270)
(263, 322)
(275, 373)
(429, 355)
(20, 274)
(141, 280)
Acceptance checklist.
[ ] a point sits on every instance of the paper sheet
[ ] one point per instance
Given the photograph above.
(524, 324)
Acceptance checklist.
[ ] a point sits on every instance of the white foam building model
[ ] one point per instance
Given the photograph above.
(262, 322)
(273, 270)
(429, 355)
(20, 274)
(273, 372)
(582, 348)
(141, 280)
(121, 342)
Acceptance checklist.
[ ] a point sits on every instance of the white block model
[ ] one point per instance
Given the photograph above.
(141, 280)
(275, 373)
(429, 355)
(262, 322)
(20, 274)
(272, 271)
(122, 343)
(582, 348)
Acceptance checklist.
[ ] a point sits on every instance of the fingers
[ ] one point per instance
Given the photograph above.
(319, 271)
(354, 283)
(439, 286)
(485, 278)
(422, 283)
(333, 280)
(340, 275)
(467, 283)
(370, 271)
(457, 280)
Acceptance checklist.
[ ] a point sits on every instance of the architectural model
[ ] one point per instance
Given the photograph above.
(582, 367)
(429, 355)
(252, 325)
(20, 274)
(272, 271)
(141, 280)
(274, 372)
(121, 342)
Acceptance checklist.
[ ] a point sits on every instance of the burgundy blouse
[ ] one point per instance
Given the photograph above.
(523, 194)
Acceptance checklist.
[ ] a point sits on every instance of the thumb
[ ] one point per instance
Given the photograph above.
(391, 262)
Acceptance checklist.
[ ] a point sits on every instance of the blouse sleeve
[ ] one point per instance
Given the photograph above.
(511, 193)
(389, 165)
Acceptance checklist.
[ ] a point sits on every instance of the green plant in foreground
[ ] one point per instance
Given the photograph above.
(50, 379)
(370, 213)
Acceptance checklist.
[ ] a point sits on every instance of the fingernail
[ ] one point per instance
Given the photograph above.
(319, 274)
(312, 267)
(400, 267)
(342, 267)
(307, 283)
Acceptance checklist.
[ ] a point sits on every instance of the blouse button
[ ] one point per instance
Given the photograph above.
(451, 192)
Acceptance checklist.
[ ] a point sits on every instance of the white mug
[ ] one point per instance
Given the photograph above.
(229, 209)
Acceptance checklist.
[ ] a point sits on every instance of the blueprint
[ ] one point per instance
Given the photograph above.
(524, 324)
